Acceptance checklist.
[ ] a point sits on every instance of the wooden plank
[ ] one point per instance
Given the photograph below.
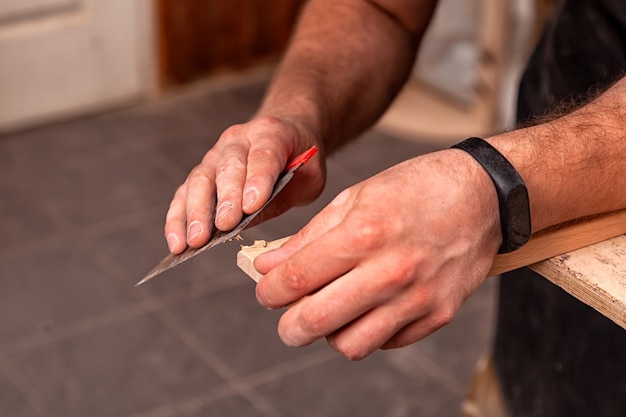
(587, 258)
(561, 239)
(596, 275)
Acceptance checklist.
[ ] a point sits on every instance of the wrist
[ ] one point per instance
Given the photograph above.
(513, 203)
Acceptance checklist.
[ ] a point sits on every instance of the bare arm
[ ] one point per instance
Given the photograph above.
(393, 273)
(575, 165)
(347, 60)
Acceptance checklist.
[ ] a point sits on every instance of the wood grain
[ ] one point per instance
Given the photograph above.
(247, 255)
(596, 275)
(200, 37)
(562, 238)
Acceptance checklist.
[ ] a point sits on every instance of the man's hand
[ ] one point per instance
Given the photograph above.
(389, 260)
(237, 176)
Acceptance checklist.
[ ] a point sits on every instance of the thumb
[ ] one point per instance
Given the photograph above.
(331, 216)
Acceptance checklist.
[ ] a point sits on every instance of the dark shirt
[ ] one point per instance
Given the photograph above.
(554, 355)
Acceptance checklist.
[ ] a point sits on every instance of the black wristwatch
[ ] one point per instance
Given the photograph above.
(512, 193)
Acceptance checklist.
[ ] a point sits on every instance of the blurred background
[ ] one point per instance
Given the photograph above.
(105, 105)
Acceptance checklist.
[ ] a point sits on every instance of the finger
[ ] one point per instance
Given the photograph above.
(369, 332)
(419, 329)
(305, 271)
(229, 180)
(320, 315)
(200, 205)
(403, 306)
(175, 222)
(410, 315)
(340, 305)
(265, 163)
(302, 264)
(330, 217)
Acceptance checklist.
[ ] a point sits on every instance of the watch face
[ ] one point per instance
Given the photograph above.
(520, 228)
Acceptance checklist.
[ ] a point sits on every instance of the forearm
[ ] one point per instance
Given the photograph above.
(574, 166)
(346, 62)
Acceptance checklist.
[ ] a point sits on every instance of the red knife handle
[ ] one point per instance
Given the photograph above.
(302, 158)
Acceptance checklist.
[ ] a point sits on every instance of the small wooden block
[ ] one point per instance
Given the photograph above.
(247, 254)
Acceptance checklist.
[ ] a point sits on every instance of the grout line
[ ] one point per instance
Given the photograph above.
(121, 223)
(72, 233)
(410, 358)
(291, 367)
(187, 407)
(169, 168)
(145, 305)
(262, 377)
(29, 248)
(191, 341)
(23, 386)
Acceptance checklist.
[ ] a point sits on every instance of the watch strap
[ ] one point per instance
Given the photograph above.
(512, 193)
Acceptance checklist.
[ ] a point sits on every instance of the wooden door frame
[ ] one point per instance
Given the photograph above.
(200, 37)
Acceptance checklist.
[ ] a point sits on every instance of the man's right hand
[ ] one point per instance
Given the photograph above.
(236, 177)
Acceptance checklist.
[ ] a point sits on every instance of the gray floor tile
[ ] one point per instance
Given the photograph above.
(116, 371)
(82, 207)
(52, 288)
(229, 406)
(24, 217)
(457, 347)
(106, 188)
(368, 388)
(217, 403)
(71, 143)
(243, 334)
(12, 401)
(144, 246)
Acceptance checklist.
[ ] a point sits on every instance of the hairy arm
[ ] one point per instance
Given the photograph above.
(393, 273)
(575, 165)
(347, 61)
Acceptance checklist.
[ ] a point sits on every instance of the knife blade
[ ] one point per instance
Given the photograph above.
(218, 236)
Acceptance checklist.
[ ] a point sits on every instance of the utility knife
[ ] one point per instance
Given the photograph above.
(218, 236)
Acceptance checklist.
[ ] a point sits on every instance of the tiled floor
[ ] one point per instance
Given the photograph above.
(81, 211)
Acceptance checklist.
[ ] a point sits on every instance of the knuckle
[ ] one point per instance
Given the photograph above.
(442, 317)
(197, 175)
(368, 234)
(231, 161)
(294, 281)
(232, 131)
(314, 321)
(267, 123)
(402, 273)
(264, 153)
(398, 281)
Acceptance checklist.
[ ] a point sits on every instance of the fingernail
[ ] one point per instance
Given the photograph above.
(262, 304)
(195, 228)
(292, 336)
(172, 241)
(249, 198)
(223, 211)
